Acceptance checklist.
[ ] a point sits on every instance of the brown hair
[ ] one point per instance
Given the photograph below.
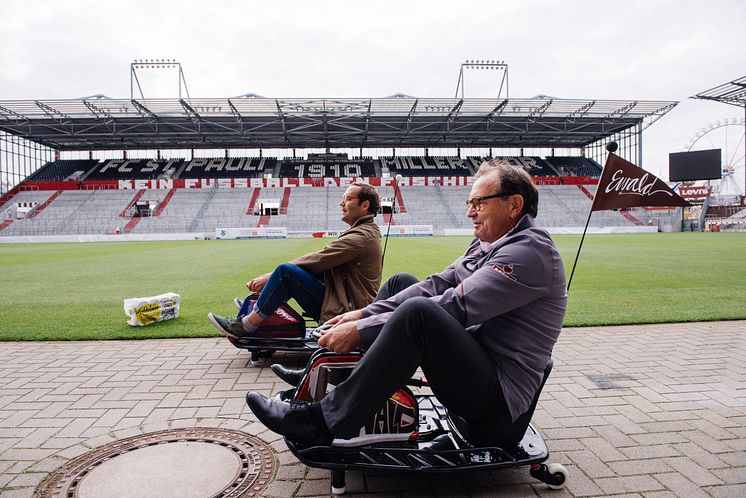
(370, 194)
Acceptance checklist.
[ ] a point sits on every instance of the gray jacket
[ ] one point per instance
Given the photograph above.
(511, 299)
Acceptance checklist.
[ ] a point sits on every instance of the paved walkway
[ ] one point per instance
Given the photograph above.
(653, 410)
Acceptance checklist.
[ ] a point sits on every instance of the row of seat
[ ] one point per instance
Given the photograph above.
(258, 167)
(203, 210)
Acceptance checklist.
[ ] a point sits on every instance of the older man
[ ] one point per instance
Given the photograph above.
(341, 277)
(482, 330)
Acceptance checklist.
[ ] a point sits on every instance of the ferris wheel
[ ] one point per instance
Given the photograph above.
(728, 136)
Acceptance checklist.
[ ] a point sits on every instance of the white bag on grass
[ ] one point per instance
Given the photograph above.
(146, 310)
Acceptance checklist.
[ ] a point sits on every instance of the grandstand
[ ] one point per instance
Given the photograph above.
(300, 193)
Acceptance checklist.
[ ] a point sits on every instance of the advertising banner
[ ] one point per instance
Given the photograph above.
(408, 230)
(251, 233)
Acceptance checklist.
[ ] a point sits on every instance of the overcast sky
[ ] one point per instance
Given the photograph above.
(648, 50)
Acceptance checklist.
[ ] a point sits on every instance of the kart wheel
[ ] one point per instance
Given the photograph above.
(257, 354)
(554, 475)
(338, 482)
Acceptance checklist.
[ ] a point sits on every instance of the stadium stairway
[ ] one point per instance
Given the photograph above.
(131, 224)
(41, 207)
(132, 202)
(586, 192)
(285, 200)
(400, 201)
(162, 205)
(252, 203)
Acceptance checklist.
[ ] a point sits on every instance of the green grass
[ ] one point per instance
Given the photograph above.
(75, 291)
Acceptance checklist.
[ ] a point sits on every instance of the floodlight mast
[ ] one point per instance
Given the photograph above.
(500, 66)
(154, 64)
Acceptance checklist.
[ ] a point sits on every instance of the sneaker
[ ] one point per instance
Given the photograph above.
(228, 326)
(239, 303)
(397, 421)
(286, 395)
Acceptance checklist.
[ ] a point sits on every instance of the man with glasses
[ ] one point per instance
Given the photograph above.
(482, 330)
(341, 277)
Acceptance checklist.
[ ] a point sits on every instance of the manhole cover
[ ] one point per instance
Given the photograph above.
(180, 463)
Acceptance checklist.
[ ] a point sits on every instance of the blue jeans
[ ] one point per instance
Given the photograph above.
(289, 281)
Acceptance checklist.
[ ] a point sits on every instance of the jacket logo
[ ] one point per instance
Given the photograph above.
(506, 270)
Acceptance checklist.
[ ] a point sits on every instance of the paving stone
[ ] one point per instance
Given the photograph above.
(681, 419)
(18, 492)
(581, 485)
(707, 442)
(27, 479)
(728, 491)
(590, 464)
(316, 487)
(603, 449)
(614, 436)
(628, 484)
(681, 485)
(733, 475)
(281, 489)
(639, 467)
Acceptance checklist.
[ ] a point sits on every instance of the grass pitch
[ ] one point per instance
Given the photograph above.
(75, 291)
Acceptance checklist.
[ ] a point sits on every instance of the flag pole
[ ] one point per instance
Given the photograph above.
(611, 147)
(577, 255)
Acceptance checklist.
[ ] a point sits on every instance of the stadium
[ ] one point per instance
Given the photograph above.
(104, 199)
(160, 176)
(200, 196)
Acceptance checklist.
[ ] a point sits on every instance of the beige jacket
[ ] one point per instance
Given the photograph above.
(351, 266)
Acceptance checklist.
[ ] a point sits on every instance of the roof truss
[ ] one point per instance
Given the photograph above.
(733, 92)
(116, 124)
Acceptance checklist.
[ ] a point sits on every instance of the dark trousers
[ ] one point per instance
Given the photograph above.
(419, 333)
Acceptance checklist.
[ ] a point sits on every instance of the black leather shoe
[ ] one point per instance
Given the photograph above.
(292, 377)
(294, 420)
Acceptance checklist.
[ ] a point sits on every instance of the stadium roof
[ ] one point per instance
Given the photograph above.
(733, 92)
(100, 123)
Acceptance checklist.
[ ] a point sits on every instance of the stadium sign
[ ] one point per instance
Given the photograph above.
(695, 195)
(228, 183)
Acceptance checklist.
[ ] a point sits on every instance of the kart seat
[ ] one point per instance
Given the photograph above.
(504, 437)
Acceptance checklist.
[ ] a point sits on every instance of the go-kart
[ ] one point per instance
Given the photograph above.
(434, 441)
(284, 330)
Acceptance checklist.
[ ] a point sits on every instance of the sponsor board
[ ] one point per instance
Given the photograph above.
(695, 195)
(316, 234)
(251, 233)
(408, 230)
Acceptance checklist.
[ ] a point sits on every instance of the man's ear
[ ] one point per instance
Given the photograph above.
(516, 205)
(365, 205)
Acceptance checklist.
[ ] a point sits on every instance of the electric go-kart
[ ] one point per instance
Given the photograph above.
(284, 330)
(415, 433)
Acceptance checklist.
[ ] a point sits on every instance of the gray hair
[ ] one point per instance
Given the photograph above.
(513, 180)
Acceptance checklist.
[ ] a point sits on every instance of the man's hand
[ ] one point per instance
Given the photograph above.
(341, 338)
(350, 316)
(257, 284)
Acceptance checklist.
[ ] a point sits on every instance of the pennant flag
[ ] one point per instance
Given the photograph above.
(624, 185)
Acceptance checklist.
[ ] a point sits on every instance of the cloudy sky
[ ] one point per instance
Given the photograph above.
(648, 49)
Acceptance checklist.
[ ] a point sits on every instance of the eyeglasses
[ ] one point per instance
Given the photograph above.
(346, 198)
(478, 202)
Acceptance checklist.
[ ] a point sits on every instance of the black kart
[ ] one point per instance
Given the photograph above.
(437, 442)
